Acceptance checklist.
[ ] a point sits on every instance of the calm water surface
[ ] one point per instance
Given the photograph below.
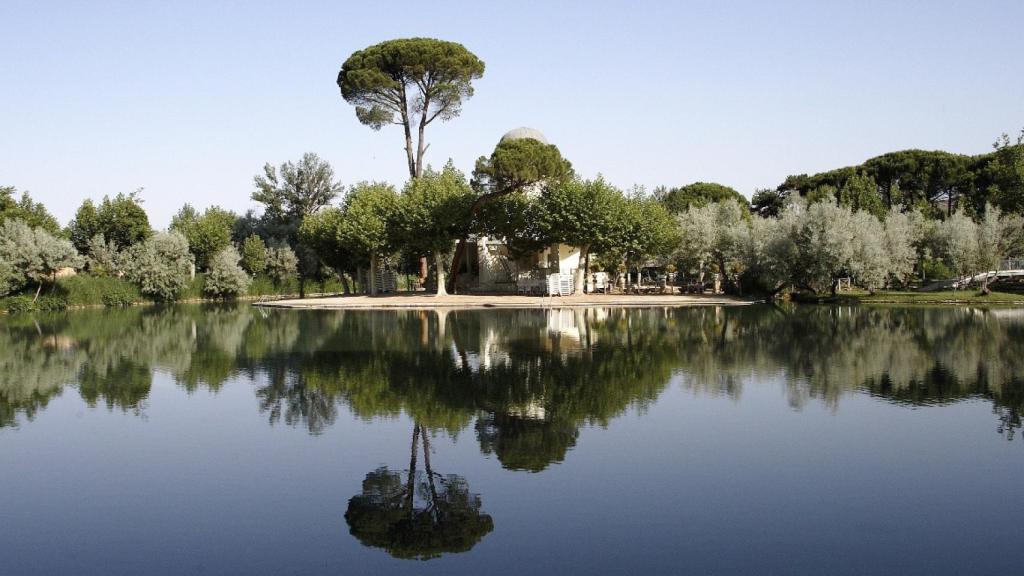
(230, 440)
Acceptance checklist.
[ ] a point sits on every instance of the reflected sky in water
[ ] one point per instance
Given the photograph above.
(228, 439)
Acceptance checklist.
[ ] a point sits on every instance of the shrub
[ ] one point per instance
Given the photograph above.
(282, 265)
(254, 255)
(225, 278)
(18, 304)
(32, 254)
(119, 297)
(161, 265)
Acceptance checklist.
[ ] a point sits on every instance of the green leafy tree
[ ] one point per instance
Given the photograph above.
(433, 213)
(1006, 174)
(294, 191)
(368, 226)
(161, 266)
(584, 214)
(32, 213)
(207, 233)
(85, 226)
(410, 82)
(225, 278)
(767, 203)
(698, 194)
(320, 232)
(254, 255)
(860, 192)
(122, 220)
(516, 165)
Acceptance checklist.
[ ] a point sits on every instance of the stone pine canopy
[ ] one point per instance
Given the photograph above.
(523, 133)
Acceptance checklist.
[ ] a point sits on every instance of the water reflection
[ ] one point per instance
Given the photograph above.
(417, 514)
(524, 381)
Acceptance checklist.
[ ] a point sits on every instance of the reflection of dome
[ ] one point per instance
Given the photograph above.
(524, 132)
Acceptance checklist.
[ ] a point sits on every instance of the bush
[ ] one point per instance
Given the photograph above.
(19, 304)
(282, 264)
(254, 255)
(225, 278)
(161, 266)
(25, 303)
(119, 296)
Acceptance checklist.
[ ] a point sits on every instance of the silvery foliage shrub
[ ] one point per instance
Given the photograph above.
(161, 265)
(813, 245)
(282, 264)
(904, 233)
(105, 259)
(31, 255)
(224, 277)
(957, 237)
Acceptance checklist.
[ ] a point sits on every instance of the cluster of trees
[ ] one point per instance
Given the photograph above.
(935, 182)
(812, 245)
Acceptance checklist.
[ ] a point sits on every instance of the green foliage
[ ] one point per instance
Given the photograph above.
(860, 192)
(648, 231)
(89, 290)
(395, 82)
(254, 255)
(161, 266)
(1005, 174)
(207, 233)
(32, 254)
(320, 232)
(19, 304)
(369, 215)
(84, 227)
(517, 164)
(716, 235)
(122, 220)
(698, 194)
(295, 191)
(433, 210)
(225, 278)
(767, 203)
(104, 259)
(282, 264)
(32, 213)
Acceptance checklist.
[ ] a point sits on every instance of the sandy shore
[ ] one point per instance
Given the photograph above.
(422, 300)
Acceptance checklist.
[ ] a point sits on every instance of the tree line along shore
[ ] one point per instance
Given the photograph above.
(898, 221)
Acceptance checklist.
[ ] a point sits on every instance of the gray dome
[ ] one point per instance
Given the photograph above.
(523, 133)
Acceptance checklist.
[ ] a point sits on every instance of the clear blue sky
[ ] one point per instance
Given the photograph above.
(190, 99)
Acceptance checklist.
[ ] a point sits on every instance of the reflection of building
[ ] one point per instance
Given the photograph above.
(488, 267)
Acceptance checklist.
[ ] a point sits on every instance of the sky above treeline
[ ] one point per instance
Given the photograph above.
(188, 100)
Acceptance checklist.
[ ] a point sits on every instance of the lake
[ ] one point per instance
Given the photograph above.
(736, 440)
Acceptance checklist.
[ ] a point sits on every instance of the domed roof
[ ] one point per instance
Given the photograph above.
(524, 132)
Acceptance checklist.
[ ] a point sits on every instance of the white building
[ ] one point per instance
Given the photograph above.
(488, 267)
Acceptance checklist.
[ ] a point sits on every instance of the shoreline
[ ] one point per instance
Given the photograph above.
(423, 301)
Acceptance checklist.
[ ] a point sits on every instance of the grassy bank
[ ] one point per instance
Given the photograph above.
(946, 297)
(92, 291)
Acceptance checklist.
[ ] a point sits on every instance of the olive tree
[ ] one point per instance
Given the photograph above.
(409, 82)
(32, 255)
(903, 233)
(224, 277)
(161, 266)
(958, 238)
(433, 213)
(282, 264)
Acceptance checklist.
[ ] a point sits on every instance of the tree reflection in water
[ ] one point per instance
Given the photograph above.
(417, 514)
(525, 381)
